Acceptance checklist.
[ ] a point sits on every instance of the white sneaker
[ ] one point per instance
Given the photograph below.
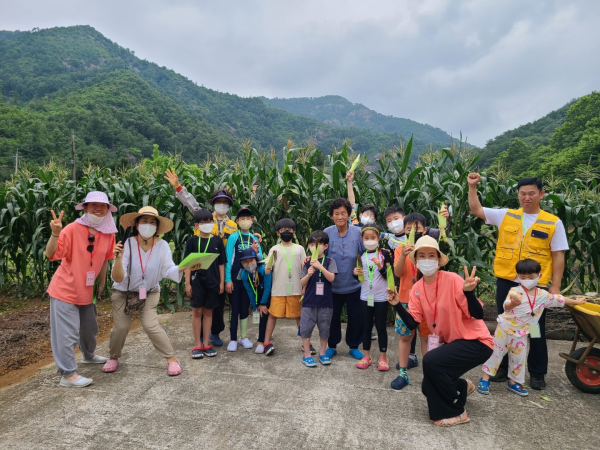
(96, 359)
(260, 349)
(246, 343)
(232, 347)
(78, 383)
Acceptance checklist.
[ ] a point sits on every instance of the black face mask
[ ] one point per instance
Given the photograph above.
(418, 236)
(286, 236)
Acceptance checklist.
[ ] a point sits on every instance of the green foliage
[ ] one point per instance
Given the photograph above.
(299, 187)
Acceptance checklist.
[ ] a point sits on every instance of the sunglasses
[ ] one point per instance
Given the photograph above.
(91, 239)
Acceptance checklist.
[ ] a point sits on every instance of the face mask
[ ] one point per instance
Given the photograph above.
(286, 236)
(427, 266)
(371, 245)
(311, 248)
(396, 226)
(529, 284)
(221, 208)
(251, 268)
(147, 230)
(418, 236)
(206, 227)
(245, 224)
(95, 219)
(366, 220)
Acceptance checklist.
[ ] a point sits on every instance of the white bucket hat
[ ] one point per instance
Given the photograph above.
(96, 197)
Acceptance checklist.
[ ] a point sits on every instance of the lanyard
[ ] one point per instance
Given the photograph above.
(254, 288)
(523, 222)
(289, 264)
(371, 272)
(436, 294)
(242, 240)
(140, 255)
(531, 303)
(322, 262)
(205, 248)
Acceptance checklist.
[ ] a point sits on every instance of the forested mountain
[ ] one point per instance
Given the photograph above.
(337, 111)
(59, 80)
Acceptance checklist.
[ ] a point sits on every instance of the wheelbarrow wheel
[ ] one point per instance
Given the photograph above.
(584, 378)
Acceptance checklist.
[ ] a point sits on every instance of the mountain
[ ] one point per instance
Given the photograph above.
(59, 80)
(533, 134)
(337, 111)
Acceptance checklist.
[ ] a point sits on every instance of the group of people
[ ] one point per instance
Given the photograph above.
(352, 263)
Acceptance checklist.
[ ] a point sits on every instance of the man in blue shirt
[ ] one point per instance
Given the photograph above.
(345, 243)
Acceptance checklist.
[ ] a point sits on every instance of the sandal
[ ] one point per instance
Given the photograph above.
(364, 363)
(458, 420)
(173, 369)
(383, 365)
(470, 387)
(110, 366)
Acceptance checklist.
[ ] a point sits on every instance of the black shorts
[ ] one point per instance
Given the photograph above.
(203, 297)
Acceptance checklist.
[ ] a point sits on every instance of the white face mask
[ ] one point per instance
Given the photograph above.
(311, 248)
(206, 227)
(371, 245)
(251, 268)
(529, 284)
(396, 226)
(221, 208)
(147, 230)
(366, 220)
(95, 219)
(245, 224)
(427, 266)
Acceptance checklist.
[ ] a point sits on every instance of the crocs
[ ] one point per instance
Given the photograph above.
(399, 383)
(309, 362)
(325, 360)
(110, 366)
(483, 387)
(331, 352)
(173, 369)
(209, 351)
(383, 365)
(355, 353)
(364, 363)
(269, 349)
(197, 353)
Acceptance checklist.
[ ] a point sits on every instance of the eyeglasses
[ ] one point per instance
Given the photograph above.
(91, 239)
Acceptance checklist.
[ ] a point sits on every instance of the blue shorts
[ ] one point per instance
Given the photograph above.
(399, 326)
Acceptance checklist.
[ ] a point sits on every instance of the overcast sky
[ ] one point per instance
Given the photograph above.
(480, 67)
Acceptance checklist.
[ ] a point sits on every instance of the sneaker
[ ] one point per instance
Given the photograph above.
(232, 347)
(325, 360)
(197, 353)
(209, 351)
(355, 353)
(330, 352)
(312, 349)
(246, 343)
(78, 383)
(537, 382)
(259, 349)
(373, 336)
(483, 387)
(216, 340)
(269, 349)
(517, 388)
(309, 362)
(501, 375)
(399, 383)
(96, 359)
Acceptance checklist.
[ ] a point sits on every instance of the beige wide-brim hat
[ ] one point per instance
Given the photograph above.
(428, 242)
(164, 225)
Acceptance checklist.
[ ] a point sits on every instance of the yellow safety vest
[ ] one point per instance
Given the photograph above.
(229, 228)
(513, 246)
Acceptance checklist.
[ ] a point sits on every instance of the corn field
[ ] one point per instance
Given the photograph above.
(301, 188)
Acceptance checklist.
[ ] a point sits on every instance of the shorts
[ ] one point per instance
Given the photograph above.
(288, 306)
(312, 316)
(203, 297)
(401, 328)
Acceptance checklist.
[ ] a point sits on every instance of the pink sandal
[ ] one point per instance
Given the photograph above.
(364, 363)
(383, 365)
(458, 420)
(110, 366)
(174, 369)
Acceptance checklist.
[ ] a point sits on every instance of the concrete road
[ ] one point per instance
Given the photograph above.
(244, 400)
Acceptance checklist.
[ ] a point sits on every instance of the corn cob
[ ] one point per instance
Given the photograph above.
(355, 164)
(390, 277)
(411, 236)
(315, 253)
(359, 263)
(442, 224)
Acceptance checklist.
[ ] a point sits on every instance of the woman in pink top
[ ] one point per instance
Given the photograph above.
(84, 248)
(455, 317)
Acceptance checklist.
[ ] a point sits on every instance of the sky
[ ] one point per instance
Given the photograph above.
(478, 67)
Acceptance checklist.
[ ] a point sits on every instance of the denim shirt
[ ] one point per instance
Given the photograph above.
(343, 249)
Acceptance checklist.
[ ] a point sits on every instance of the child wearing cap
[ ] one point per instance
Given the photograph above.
(317, 305)
(205, 285)
(373, 267)
(238, 297)
(286, 290)
(258, 287)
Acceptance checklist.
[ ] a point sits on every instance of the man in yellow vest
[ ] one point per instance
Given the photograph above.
(527, 232)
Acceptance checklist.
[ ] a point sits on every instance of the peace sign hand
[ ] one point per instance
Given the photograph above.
(470, 280)
(56, 223)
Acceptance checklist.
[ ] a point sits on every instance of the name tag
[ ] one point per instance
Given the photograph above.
(255, 317)
(370, 300)
(534, 331)
(320, 288)
(433, 342)
(289, 288)
(142, 291)
(90, 277)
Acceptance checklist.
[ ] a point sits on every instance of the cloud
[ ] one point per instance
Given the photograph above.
(472, 66)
